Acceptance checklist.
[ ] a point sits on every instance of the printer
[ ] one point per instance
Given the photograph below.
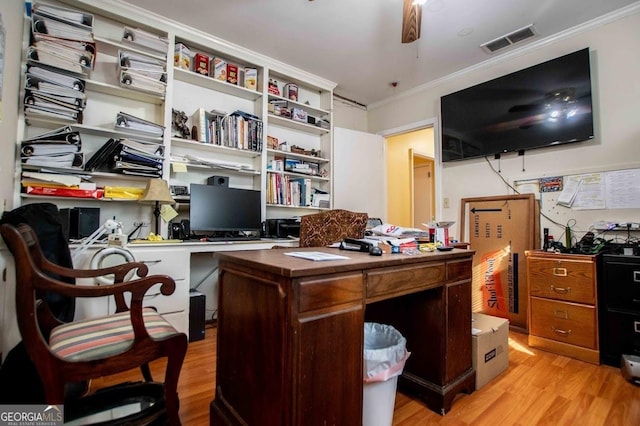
(283, 228)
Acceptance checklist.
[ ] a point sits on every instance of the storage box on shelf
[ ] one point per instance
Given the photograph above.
(563, 312)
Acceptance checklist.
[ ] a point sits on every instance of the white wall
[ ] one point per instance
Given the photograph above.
(12, 19)
(349, 116)
(615, 63)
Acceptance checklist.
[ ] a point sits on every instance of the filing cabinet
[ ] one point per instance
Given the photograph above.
(563, 304)
(620, 307)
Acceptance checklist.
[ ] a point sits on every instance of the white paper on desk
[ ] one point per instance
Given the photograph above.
(316, 255)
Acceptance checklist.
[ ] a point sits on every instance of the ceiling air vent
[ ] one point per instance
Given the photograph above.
(509, 39)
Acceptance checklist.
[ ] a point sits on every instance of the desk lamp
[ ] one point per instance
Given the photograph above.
(157, 193)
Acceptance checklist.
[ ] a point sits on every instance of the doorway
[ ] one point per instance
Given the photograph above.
(406, 148)
(423, 189)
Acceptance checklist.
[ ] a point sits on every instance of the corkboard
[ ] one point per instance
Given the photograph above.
(500, 229)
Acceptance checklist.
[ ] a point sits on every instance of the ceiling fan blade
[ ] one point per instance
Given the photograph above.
(411, 20)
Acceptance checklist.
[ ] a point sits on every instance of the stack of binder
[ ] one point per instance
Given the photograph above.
(140, 72)
(60, 57)
(59, 149)
(128, 156)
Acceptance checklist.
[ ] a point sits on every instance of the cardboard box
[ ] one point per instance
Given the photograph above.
(182, 57)
(490, 348)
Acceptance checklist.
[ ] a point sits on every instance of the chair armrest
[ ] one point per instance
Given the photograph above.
(119, 271)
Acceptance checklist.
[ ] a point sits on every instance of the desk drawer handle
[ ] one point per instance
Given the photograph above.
(151, 262)
(636, 276)
(561, 290)
(560, 272)
(561, 332)
(561, 314)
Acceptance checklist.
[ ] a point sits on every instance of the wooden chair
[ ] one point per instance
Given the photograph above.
(325, 228)
(86, 349)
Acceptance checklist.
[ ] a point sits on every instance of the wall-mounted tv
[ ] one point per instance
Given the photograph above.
(543, 105)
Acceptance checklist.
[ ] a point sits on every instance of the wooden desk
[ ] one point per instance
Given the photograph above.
(290, 332)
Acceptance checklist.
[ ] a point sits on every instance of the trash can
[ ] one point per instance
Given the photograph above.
(385, 354)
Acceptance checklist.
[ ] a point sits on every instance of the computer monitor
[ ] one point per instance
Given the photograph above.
(221, 209)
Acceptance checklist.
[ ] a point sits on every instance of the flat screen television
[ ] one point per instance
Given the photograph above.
(543, 105)
(214, 209)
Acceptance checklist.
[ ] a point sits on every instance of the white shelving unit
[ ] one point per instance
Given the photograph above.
(188, 161)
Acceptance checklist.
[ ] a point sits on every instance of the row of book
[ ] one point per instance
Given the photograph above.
(289, 191)
(61, 55)
(239, 129)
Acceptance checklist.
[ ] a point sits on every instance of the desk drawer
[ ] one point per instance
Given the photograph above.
(176, 302)
(403, 280)
(328, 291)
(562, 280)
(564, 322)
(172, 262)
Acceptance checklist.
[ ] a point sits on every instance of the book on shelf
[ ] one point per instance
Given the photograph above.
(136, 81)
(56, 76)
(64, 160)
(35, 97)
(63, 192)
(208, 125)
(59, 26)
(99, 159)
(65, 134)
(138, 37)
(76, 52)
(42, 179)
(69, 16)
(44, 88)
(138, 125)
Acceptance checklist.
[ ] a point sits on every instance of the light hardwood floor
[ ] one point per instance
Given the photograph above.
(538, 388)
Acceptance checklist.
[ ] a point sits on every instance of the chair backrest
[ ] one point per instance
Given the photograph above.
(44, 219)
(325, 228)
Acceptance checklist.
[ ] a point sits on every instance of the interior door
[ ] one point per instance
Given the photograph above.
(359, 172)
(423, 190)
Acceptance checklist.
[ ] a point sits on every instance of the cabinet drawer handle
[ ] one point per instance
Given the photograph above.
(636, 276)
(561, 314)
(561, 290)
(151, 262)
(636, 326)
(560, 272)
(562, 332)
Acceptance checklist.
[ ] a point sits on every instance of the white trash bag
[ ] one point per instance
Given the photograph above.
(385, 352)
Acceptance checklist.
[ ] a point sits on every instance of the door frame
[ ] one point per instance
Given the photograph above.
(437, 170)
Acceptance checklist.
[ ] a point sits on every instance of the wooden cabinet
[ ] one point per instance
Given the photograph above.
(563, 316)
(619, 307)
(290, 333)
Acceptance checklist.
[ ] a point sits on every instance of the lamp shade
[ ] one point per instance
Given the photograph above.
(157, 190)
